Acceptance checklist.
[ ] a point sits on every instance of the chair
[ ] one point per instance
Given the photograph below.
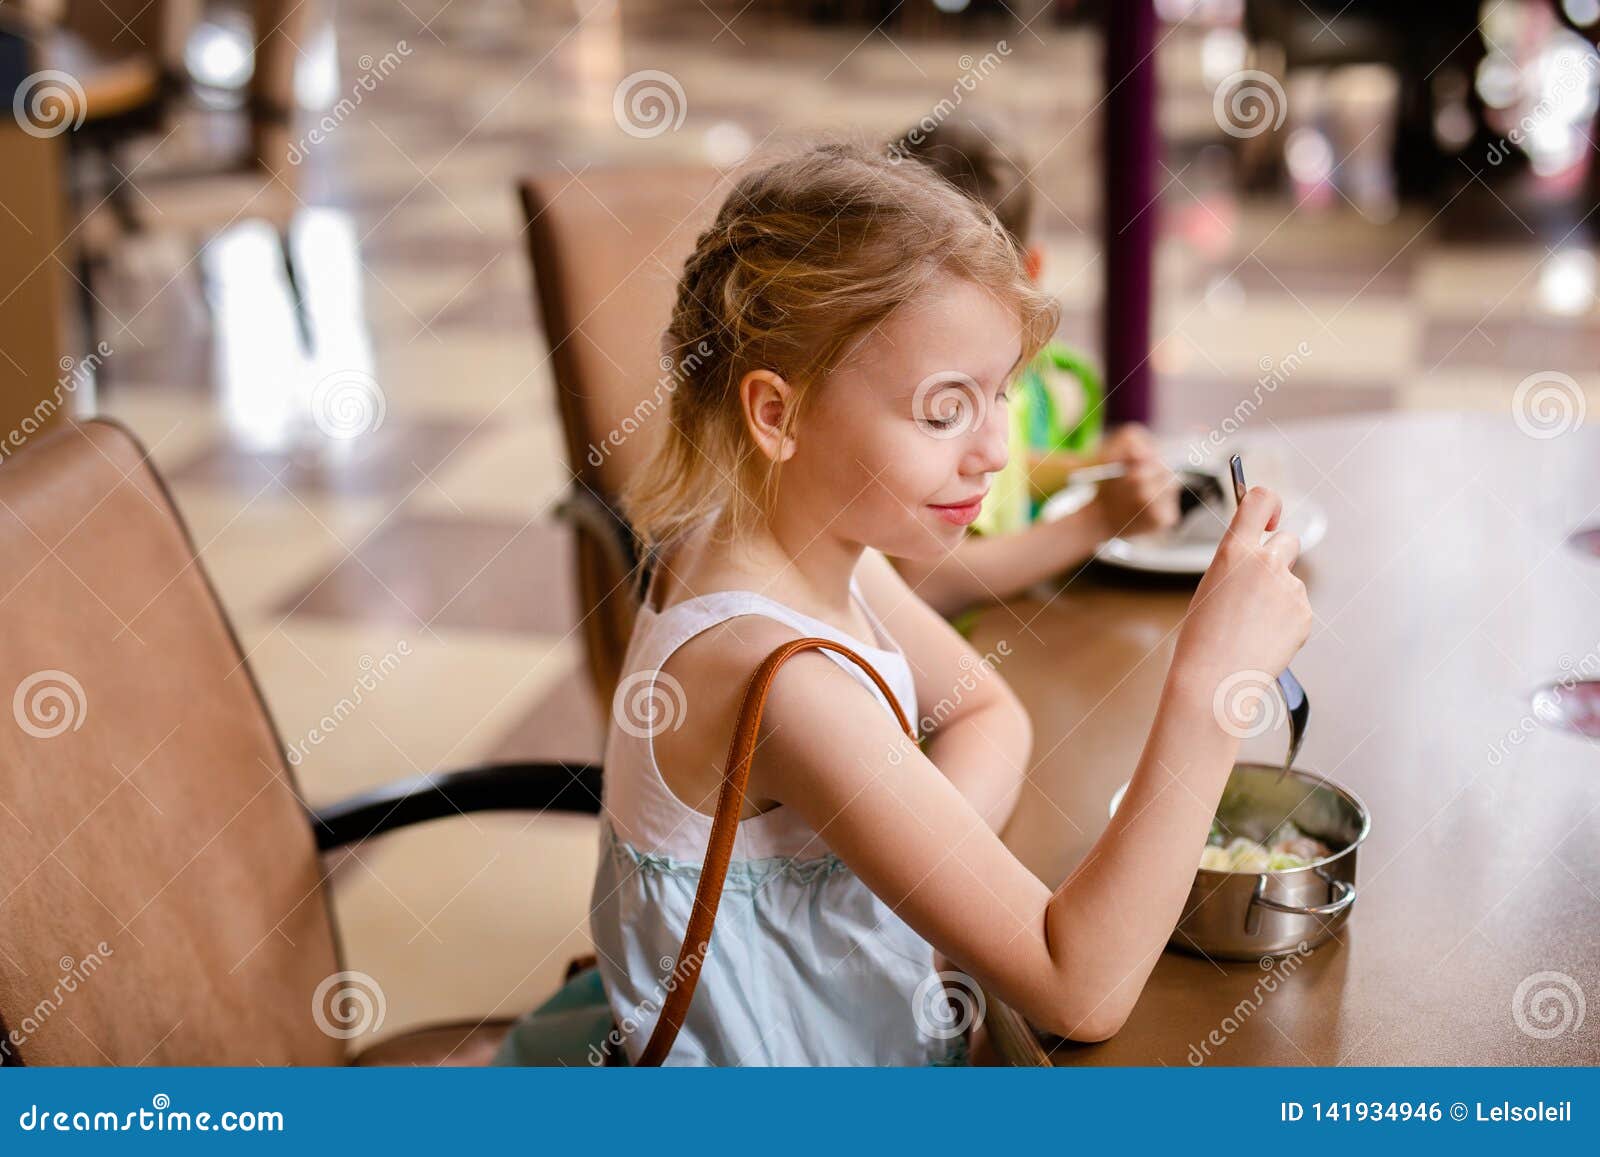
(606, 248)
(157, 179)
(35, 329)
(163, 898)
(112, 87)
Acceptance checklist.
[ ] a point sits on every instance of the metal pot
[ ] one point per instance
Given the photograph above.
(1248, 915)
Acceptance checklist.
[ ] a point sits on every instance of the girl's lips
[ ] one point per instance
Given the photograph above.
(961, 513)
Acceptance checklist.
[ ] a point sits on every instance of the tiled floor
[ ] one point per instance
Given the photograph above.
(435, 528)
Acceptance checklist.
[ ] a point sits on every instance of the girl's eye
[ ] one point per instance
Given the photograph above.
(955, 414)
(944, 408)
(950, 405)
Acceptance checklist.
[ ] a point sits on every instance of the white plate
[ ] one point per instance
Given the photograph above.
(1155, 554)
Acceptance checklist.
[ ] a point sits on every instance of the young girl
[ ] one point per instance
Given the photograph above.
(865, 319)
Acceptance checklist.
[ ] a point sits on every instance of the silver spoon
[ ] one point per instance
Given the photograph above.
(1294, 695)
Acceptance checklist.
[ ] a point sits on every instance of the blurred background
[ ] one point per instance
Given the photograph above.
(282, 242)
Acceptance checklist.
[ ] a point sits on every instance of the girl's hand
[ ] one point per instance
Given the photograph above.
(1129, 440)
(1146, 497)
(1250, 612)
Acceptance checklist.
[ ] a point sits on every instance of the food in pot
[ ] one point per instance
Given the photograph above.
(1287, 847)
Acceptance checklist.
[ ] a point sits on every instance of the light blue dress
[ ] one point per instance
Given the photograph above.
(806, 965)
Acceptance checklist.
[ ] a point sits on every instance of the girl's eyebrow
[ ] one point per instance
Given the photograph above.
(951, 376)
(956, 377)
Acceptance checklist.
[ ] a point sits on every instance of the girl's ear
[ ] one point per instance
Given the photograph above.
(767, 401)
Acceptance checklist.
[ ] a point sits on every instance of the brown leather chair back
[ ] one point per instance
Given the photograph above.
(607, 247)
(160, 894)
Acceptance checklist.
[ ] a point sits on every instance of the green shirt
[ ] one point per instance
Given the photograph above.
(1057, 403)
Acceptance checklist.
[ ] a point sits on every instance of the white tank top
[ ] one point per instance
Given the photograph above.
(806, 965)
(642, 808)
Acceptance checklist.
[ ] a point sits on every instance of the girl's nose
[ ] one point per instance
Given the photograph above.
(990, 442)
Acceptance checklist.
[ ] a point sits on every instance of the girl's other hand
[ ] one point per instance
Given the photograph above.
(1124, 443)
(1250, 612)
(1146, 497)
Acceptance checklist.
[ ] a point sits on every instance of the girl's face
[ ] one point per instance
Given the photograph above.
(895, 449)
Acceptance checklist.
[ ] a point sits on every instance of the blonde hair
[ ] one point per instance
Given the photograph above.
(806, 255)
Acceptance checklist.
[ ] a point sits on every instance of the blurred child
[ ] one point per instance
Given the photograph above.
(1056, 417)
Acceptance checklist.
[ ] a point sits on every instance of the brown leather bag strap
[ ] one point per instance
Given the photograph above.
(725, 826)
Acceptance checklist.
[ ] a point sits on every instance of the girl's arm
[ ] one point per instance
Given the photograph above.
(979, 731)
(1073, 961)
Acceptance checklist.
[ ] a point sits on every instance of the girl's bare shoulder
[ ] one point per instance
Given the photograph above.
(708, 676)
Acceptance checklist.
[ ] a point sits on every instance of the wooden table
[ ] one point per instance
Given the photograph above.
(1445, 593)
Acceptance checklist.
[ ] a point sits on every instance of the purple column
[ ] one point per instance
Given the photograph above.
(1130, 144)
